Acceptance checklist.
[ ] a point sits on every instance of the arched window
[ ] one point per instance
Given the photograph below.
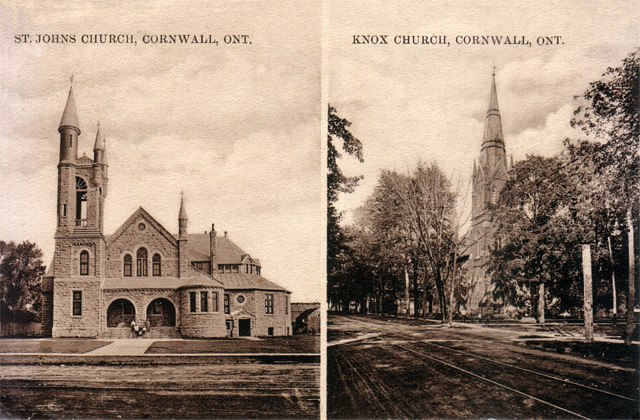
(156, 265)
(81, 202)
(141, 262)
(84, 263)
(128, 265)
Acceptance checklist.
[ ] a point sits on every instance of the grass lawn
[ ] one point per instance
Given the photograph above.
(59, 345)
(292, 344)
(617, 353)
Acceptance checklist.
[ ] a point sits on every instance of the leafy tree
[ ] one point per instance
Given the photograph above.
(538, 237)
(384, 240)
(338, 137)
(21, 272)
(411, 221)
(609, 115)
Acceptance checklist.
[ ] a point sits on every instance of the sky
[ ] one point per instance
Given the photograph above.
(236, 127)
(428, 102)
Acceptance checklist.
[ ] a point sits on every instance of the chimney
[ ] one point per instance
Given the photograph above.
(212, 250)
(225, 233)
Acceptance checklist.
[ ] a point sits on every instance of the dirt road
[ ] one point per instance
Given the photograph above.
(195, 390)
(390, 369)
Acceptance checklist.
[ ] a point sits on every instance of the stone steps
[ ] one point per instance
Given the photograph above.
(155, 333)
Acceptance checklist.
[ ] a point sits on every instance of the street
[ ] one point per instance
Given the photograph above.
(397, 369)
(85, 378)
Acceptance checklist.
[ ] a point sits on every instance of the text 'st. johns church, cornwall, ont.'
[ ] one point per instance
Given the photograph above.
(189, 285)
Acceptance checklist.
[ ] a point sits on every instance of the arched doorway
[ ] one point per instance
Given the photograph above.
(120, 313)
(161, 313)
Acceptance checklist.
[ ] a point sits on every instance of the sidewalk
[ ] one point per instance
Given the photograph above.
(123, 347)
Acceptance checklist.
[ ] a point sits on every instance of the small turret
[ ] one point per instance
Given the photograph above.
(182, 219)
(98, 148)
(183, 245)
(69, 130)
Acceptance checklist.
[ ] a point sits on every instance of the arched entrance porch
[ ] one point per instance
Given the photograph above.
(120, 313)
(161, 313)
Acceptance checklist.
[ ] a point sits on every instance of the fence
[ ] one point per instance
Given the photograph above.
(20, 329)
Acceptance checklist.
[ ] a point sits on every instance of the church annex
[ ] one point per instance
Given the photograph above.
(490, 173)
(184, 285)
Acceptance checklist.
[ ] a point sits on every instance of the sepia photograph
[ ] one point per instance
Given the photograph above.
(162, 231)
(483, 219)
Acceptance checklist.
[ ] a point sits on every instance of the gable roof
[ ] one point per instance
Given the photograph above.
(227, 252)
(242, 281)
(141, 213)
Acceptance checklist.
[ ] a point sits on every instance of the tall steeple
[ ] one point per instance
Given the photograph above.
(493, 150)
(69, 130)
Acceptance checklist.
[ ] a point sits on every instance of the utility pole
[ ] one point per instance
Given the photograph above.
(588, 294)
(613, 283)
(631, 296)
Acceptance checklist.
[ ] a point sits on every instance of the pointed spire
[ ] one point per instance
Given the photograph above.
(183, 213)
(70, 116)
(99, 144)
(493, 123)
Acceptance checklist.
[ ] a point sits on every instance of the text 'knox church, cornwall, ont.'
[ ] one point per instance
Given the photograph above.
(184, 285)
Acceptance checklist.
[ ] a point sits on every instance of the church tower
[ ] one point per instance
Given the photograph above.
(489, 175)
(79, 256)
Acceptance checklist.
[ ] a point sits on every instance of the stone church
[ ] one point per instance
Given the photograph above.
(490, 173)
(184, 285)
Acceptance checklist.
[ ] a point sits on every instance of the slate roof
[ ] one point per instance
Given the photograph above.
(242, 281)
(226, 251)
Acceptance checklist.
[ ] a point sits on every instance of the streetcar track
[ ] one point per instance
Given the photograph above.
(561, 380)
(558, 379)
(365, 383)
(475, 375)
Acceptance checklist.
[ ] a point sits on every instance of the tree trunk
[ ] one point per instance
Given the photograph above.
(452, 289)
(628, 338)
(425, 298)
(416, 293)
(541, 302)
(442, 296)
(614, 303)
(407, 297)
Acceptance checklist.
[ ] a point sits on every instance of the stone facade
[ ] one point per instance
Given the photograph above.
(98, 285)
